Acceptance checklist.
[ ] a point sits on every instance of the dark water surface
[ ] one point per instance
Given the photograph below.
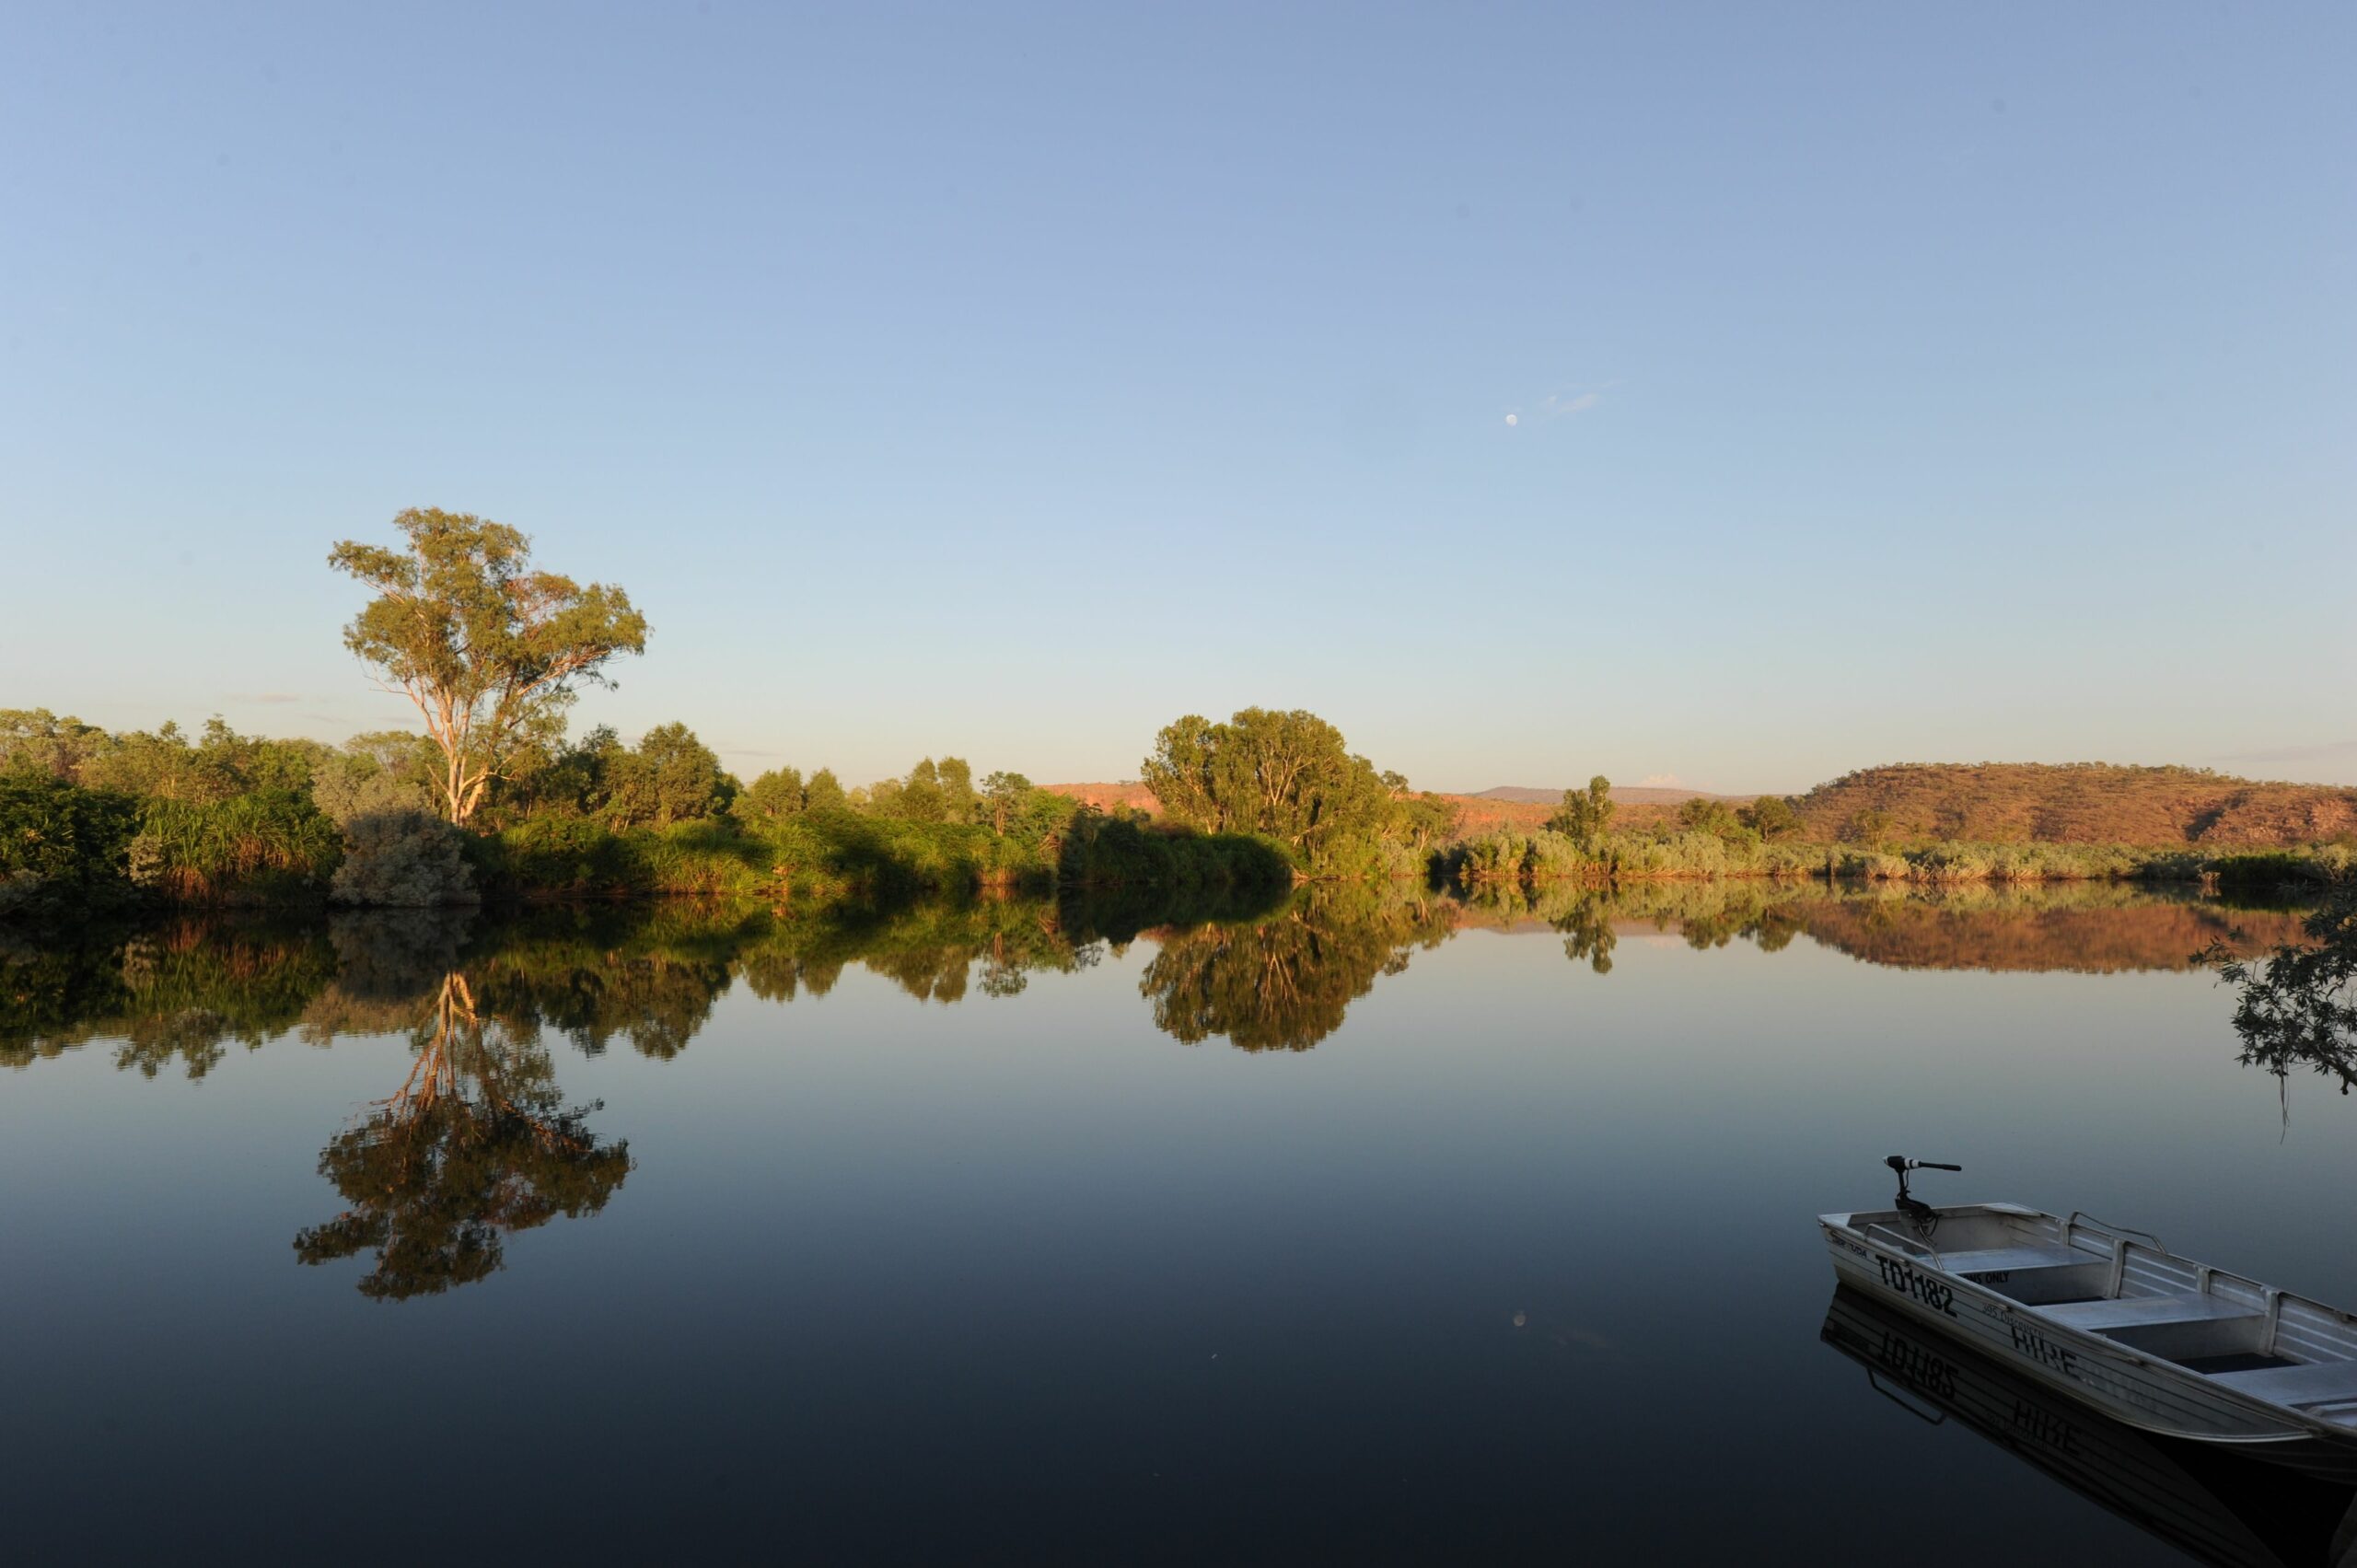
(1366, 1228)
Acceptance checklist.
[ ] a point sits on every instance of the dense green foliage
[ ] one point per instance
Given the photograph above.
(1290, 777)
(840, 852)
(669, 776)
(1733, 850)
(163, 764)
(63, 847)
(2295, 875)
(221, 820)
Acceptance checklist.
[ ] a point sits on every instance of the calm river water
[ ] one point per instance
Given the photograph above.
(1361, 1228)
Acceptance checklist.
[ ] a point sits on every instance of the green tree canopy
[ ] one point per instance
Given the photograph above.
(1003, 794)
(1585, 814)
(1704, 815)
(383, 771)
(957, 781)
(776, 795)
(1870, 826)
(36, 741)
(488, 649)
(1289, 776)
(670, 776)
(1772, 817)
(823, 792)
(919, 799)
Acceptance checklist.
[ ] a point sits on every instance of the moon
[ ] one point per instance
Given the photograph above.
(1513, 419)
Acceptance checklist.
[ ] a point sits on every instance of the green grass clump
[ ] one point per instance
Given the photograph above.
(273, 846)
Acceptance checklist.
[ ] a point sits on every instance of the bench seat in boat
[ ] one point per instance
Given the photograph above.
(2314, 1383)
(2143, 1311)
(2005, 1259)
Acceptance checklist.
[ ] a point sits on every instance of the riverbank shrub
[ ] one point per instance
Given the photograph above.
(556, 857)
(401, 860)
(1101, 851)
(273, 846)
(1540, 856)
(2274, 874)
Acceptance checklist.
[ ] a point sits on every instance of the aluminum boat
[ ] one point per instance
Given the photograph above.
(2109, 1316)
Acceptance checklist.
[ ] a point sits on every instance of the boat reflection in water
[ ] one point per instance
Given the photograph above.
(2213, 1505)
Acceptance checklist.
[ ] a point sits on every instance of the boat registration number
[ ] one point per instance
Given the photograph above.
(1904, 1278)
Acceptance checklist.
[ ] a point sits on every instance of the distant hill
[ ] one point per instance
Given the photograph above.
(1105, 797)
(1626, 795)
(2073, 803)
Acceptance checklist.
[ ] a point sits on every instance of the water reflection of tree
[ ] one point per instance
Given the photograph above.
(1283, 983)
(2296, 1006)
(475, 1143)
(175, 993)
(179, 994)
(1587, 925)
(934, 951)
(647, 975)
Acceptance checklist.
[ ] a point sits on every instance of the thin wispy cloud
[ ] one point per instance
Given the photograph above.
(271, 697)
(1567, 403)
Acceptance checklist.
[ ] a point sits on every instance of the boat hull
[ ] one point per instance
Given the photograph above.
(2204, 1499)
(2140, 1390)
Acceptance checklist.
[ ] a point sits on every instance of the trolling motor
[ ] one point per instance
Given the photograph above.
(1914, 1208)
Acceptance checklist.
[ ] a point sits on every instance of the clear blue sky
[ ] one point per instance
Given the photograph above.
(1889, 382)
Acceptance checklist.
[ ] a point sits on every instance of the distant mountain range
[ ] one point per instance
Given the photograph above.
(1987, 802)
(1626, 795)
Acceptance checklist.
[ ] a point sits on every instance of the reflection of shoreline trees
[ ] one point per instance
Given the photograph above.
(2085, 928)
(180, 992)
(475, 1143)
(645, 974)
(1283, 982)
(649, 975)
